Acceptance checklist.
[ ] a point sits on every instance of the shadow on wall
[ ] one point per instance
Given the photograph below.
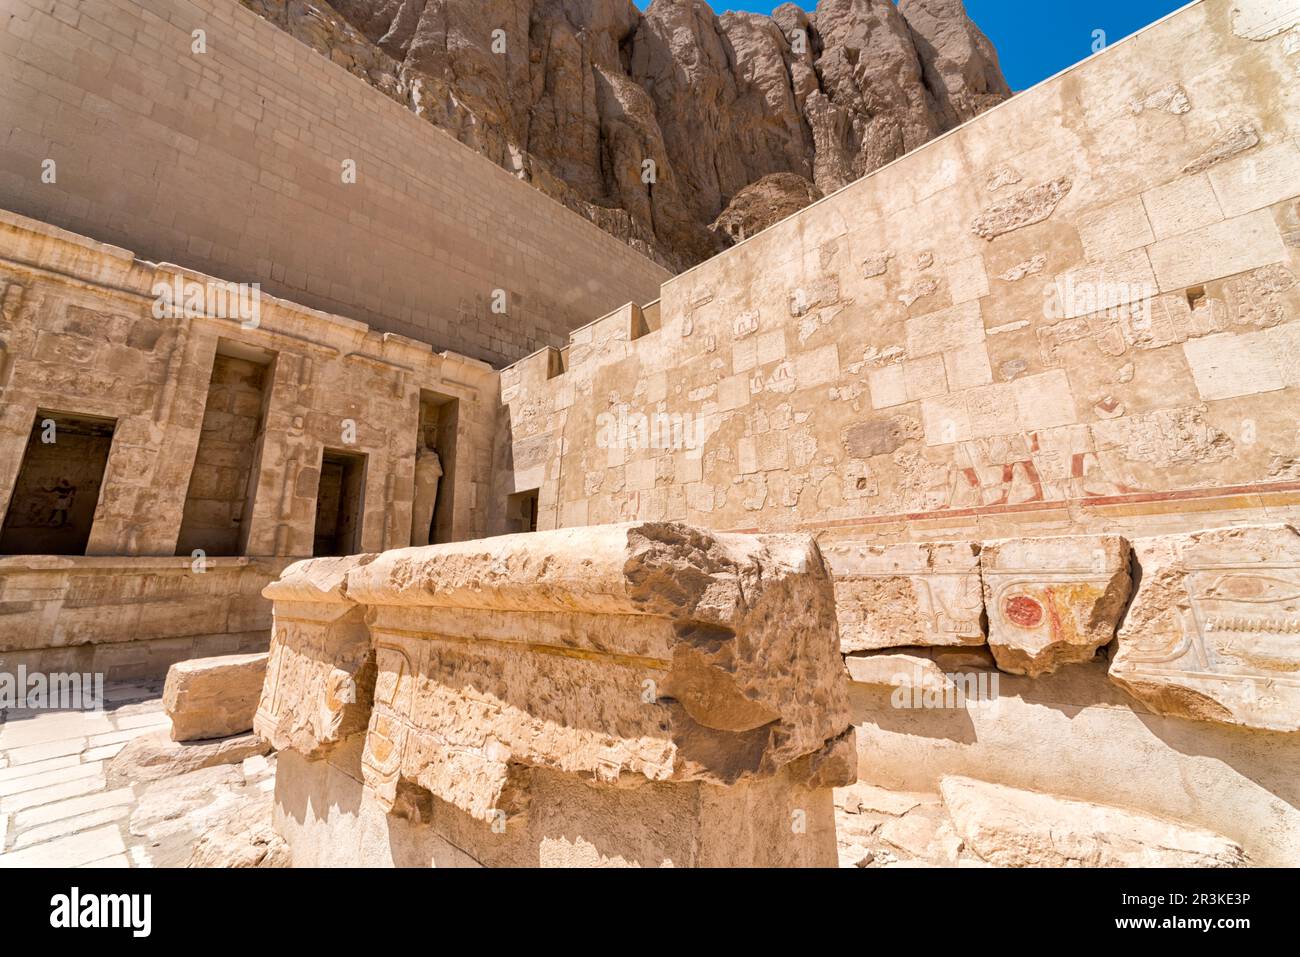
(1076, 735)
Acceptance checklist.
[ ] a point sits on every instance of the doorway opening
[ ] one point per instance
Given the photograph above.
(435, 470)
(54, 499)
(339, 504)
(521, 511)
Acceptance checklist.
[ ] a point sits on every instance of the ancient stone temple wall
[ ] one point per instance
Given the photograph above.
(1076, 311)
(233, 159)
(1033, 389)
(218, 417)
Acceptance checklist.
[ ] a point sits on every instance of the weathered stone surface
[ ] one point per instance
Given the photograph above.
(1213, 632)
(1014, 828)
(245, 839)
(320, 674)
(1053, 601)
(1235, 140)
(1261, 19)
(213, 697)
(154, 756)
(718, 674)
(891, 596)
(762, 203)
(583, 93)
(1024, 209)
(632, 655)
(925, 834)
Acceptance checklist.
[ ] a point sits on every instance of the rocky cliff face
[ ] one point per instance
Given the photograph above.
(677, 130)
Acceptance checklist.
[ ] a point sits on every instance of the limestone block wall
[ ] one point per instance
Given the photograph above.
(1077, 311)
(231, 160)
(129, 617)
(79, 335)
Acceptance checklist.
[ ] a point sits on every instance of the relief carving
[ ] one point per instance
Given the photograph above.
(890, 596)
(1024, 209)
(1213, 633)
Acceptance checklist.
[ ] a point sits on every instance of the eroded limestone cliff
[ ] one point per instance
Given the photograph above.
(577, 95)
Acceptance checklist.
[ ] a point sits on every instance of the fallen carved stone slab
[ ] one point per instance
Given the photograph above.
(893, 596)
(1053, 601)
(1213, 632)
(1010, 827)
(152, 757)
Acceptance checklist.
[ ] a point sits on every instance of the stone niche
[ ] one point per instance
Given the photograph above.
(647, 694)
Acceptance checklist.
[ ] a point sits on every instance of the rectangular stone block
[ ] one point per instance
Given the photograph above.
(894, 596)
(517, 672)
(1229, 365)
(1112, 282)
(946, 330)
(1221, 249)
(888, 386)
(213, 697)
(1258, 178)
(1211, 633)
(1053, 601)
(1115, 229)
(1182, 205)
(968, 279)
(1044, 401)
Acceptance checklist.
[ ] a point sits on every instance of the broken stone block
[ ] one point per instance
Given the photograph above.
(923, 834)
(213, 697)
(892, 596)
(610, 694)
(154, 756)
(1213, 632)
(246, 839)
(1010, 827)
(1053, 601)
(898, 671)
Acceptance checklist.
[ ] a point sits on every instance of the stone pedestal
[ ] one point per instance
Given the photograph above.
(634, 694)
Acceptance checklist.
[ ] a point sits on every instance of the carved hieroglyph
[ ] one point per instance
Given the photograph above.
(893, 596)
(321, 674)
(1213, 632)
(1052, 601)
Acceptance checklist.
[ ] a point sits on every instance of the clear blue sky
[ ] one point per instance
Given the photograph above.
(1035, 38)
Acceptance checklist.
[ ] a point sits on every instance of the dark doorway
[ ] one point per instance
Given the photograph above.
(338, 504)
(521, 511)
(53, 504)
(439, 426)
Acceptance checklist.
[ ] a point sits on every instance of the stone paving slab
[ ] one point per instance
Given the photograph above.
(57, 808)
